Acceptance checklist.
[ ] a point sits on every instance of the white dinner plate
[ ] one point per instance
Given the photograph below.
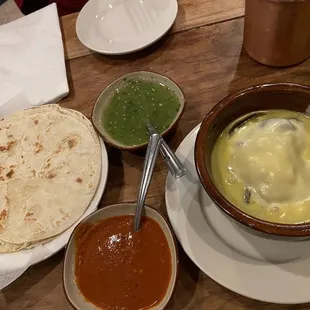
(124, 26)
(285, 283)
(16, 263)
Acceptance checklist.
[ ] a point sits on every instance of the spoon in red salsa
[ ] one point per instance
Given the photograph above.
(148, 168)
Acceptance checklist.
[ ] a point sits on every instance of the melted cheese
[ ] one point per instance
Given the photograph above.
(270, 156)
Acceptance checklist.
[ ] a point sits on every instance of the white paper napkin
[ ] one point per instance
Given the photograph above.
(32, 58)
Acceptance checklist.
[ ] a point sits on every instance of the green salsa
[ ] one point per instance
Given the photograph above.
(136, 103)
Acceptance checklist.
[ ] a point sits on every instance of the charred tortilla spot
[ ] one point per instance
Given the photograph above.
(10, 144)
(8, 147)
(10, 173)
(29, 216)
(3, 215)
(79, 180)
(58, 150)
(51, 175)
(72, 143)
(38, 147)
(36, 122)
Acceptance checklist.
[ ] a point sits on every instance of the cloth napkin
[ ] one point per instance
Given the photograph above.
(32, 62)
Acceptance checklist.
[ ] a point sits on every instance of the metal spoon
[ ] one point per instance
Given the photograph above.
(149, 164)
(175, 166)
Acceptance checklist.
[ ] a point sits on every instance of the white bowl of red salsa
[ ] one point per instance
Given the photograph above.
(109, 266)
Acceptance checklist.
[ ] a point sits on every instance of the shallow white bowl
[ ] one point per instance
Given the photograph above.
(107, 93)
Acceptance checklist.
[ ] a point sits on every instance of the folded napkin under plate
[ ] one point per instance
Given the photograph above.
(32, 63)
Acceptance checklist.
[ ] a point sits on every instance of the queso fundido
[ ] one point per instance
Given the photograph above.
(261, 163)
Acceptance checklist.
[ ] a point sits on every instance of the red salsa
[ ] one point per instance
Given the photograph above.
(119, 269)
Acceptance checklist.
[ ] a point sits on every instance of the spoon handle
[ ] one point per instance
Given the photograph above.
(149, 164)
(175, 166)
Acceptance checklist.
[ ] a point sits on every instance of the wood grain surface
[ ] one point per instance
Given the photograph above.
(212, 65)
(191, 14)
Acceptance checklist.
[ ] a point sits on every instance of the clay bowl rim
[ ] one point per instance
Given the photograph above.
(175, 265)
(285, 230)
(173, 125)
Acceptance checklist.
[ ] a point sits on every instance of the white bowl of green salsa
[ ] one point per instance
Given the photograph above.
(125, 106)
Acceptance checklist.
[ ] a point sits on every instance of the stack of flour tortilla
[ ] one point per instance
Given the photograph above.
(50, 166)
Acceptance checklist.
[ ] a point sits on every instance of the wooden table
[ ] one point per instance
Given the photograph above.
(204, 55)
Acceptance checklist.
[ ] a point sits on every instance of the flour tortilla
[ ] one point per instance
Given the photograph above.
(50, 166)
(6, 247)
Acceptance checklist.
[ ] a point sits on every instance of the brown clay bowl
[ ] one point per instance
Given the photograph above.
(261, 97)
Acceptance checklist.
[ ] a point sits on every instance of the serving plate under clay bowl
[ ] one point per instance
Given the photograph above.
(249, 263)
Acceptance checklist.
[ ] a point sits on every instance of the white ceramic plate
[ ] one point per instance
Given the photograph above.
(16, 263)
(285, 283)
(124, 26)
